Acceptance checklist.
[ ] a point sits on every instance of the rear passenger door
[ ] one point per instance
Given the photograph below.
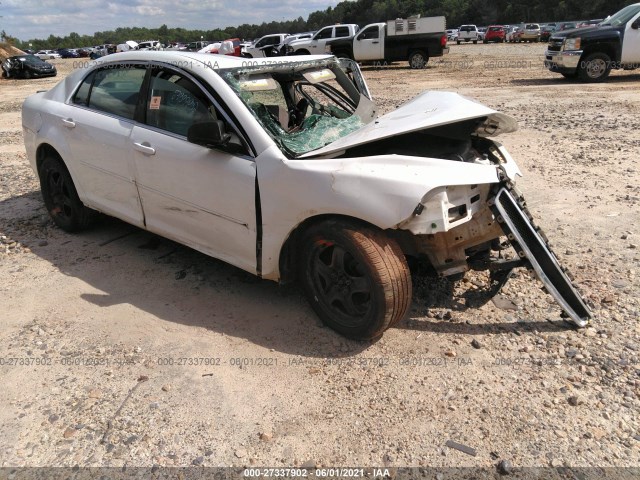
(97, 124)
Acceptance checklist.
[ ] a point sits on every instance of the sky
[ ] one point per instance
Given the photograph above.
(29, 19)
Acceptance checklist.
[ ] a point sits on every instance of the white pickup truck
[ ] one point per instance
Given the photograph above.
(468, 33)
(414, 39)
(266, 46)
(316, 44)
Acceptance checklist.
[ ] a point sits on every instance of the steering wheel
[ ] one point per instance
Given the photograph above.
(316, 106)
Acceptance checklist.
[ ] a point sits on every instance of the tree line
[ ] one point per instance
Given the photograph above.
(362, 12)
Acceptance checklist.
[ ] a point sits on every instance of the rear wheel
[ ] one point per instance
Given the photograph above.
(458, 42)
(594, 67)
(61, 198)
(355, 278)
(475, 42)
(418, 59)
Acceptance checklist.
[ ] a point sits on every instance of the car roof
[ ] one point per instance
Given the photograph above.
(221, 61)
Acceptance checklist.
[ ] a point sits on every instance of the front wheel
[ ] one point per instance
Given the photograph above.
(61, 198)
(355, 278)
(418, 60)
(594, 67)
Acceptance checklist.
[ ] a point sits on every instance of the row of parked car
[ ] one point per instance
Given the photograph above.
(97, 50)
(528, 32)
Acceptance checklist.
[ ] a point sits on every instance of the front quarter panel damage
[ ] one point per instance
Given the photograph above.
(382, 190)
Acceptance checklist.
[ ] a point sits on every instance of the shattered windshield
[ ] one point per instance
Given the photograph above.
(303, 106)
(30, 59)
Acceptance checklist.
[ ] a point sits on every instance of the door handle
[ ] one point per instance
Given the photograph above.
(375, 42)
(145, 148)
(69, 123)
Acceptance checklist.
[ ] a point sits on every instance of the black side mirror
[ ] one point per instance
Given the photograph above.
(636, 24)
(208, 134)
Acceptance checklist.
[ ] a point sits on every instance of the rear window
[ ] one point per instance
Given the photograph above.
(112, 90)
(468, 28)
(532, 26)
(342, 32)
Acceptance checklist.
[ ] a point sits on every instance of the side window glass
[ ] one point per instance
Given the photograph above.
(261, 43)
(116, 90)
(342, 32)
(82, 94)
(175, 103)
(326, 33)
(371, 32)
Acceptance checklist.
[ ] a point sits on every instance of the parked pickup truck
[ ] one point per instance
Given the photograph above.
(266, 46)
(412, 39)
(589, 54)
(468, 33)
(316, 44)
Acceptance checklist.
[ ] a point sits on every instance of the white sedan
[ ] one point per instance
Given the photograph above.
(283, 168)
(47, 54)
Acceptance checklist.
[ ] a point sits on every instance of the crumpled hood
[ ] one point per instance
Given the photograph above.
(427, 110)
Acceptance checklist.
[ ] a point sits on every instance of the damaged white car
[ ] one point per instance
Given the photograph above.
(283, 168)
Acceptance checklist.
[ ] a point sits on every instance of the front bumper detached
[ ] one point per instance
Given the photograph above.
(531, 245)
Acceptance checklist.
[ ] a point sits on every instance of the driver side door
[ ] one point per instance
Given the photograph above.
(203, 197)
(320, 40)
(368, 44)
(631, 42)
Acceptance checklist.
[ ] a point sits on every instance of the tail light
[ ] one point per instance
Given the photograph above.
(443, 41)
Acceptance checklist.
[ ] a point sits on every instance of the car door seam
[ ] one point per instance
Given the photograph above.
(193, 205)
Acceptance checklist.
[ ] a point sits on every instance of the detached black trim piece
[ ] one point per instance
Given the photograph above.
(530, 244)
(258, 229)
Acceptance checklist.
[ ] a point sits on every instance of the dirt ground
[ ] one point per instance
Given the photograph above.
(141, 352)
